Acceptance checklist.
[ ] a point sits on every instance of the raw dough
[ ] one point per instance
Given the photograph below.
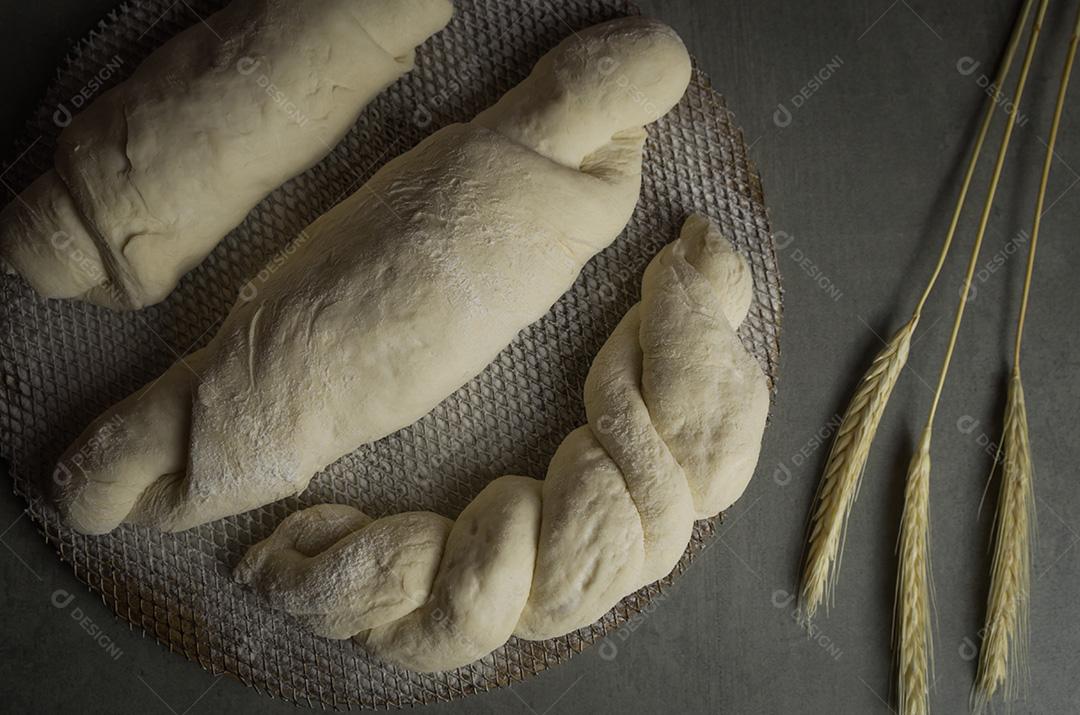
(676, 408)
(157, 170)
(393, 299)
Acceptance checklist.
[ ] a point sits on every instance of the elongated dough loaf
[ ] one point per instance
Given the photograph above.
(157, 170)
(676, 410)
(393, 299)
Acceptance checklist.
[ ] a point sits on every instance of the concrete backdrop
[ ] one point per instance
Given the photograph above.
(859, 114)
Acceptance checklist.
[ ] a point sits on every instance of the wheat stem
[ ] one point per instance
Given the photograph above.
(1063, 88)
(1003, 657)
(842, 476)
(984, 129)
(916, 649)
(984, 221)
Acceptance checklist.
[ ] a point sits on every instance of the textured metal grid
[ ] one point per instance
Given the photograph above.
(62, 363)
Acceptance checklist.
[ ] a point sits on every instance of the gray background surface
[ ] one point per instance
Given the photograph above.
(859, 114)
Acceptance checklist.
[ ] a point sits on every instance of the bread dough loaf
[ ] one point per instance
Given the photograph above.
(396, 297)
(676, 408)
(157, 170)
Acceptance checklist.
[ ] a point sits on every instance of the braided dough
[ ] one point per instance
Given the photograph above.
(393, 299)
(156, 171)
(676, 409)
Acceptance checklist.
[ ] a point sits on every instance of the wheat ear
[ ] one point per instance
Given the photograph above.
(1003, 657)
(916, 638)
(913, 592)
(840, 481)
(844, 468)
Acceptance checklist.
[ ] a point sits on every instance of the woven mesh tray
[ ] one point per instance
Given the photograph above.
(63, 362)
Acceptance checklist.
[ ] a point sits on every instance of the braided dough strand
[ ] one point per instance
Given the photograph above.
(676, 409)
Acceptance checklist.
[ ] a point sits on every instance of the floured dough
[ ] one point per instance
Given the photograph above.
(676, 409)
(156, 171)
(396, 297)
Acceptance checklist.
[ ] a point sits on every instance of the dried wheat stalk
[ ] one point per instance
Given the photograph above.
(916, 640)
(840, 482)
(1003, 657)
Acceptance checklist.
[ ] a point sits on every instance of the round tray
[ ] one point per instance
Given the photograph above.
(63, 362)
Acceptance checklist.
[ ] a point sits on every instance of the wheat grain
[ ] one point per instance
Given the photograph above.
(1003, 657)
(844, 469)
(914, 587)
